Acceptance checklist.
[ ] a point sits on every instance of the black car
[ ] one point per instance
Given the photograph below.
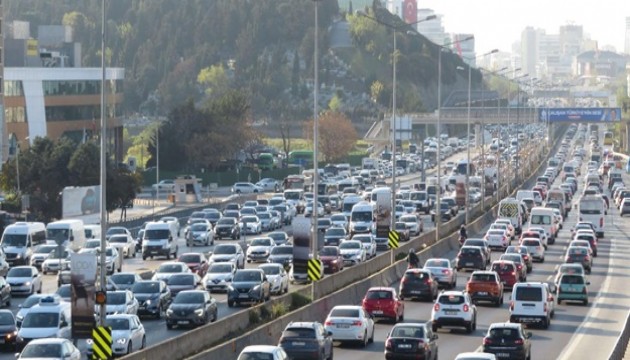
(418, 284)
(248, 286)
(334, 236)
(182, 282)
(227, 227)
(193, 308)
(153, 297)
(471, 257)
(508, 340)
(452, 203)
(306, 340)
(212, 216)
(411, 341)
(8, 330)
(139, 237)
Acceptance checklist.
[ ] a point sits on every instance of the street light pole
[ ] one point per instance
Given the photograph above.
(315, 231)
(103, 178)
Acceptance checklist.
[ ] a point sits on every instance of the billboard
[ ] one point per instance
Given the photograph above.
(410, 11)
(83, 286)
(82, 202)
(612, 114)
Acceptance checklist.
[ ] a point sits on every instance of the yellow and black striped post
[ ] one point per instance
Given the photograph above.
(102, 343)
(393, 239)
(314, 269)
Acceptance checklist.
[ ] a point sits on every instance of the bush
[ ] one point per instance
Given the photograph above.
(254, 316)
(278, 310)
(298, 300)
(400, 256)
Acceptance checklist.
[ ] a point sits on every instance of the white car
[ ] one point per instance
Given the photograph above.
(349, 323)
(413, 223)
(200, 233)
(91, 246)
(219, 276)
(50, 348)
(543, 235)
(24, 280)
(169, 268)
(369, 244)
(558, 217)
(277, 277)
(266, 221)
(250, 225)
(339, 220)
(246, 188)
(497, 238)
(113, 260)
(509, 225)
(352, 252)
(308, 210)
(454, 308)
(56, 259)
(121, 302)
(502, 226)
(128, 334)
(269, 184)
(259, 249)
(228, 253)
(164, 185)
(124, 243)
(171, 220)
(29, 303)
(535, 247)
(262, 352)
(114, 230)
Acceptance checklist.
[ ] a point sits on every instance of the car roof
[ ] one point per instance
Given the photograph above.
(302, 324)
(348, 307)
(506, 325)
(48, 341)
(381, 288)
(260, 348)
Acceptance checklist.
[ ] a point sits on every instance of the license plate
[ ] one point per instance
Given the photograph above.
(415, 292)
(298, 343)
(243, 296)
(482, 293)
(183, 322)
(469, 264)
(343, 326)
(405, 346)
(450, 312)
(377, 312)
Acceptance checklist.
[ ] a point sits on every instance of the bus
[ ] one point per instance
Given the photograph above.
(462, 167)
(302, 158)
(608, 138)
(295, 182)
(265, 161)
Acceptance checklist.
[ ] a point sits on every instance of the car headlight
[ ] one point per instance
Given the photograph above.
(199, 312)
(18, 256)
(20, 317)
(148, 302)
(121, 341)
(165, 246)
(169, 312)
(89, 341)
(11, 335)
(28, 283)
(256, 288)
(230, 288)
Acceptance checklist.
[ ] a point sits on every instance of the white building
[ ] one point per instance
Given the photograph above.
(432, 29)
(627, 44)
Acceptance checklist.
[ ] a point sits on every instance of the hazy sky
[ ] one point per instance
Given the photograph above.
(498, 23)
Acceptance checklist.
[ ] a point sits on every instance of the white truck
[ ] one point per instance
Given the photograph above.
(68, 233)
(159, 239)
(369, 163)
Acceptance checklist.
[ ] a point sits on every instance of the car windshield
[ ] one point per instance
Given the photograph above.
(212, 215)
(123, 279)
(572, 280)
(407, 331)
(224, 250)
(261, 242)
(41, 351)
(64, 291)
(329, 251)
(416, 275)
(153, 234)
(524, 293)
(247, 219)
(350, 245)
(45, 249)
(169, 268)
(484, 277)
(118, 239)
(409, 219)
(248, 276)
(563, 270)
(31, 301)
(220, 268)
(504, 333)
(19, 272)
(351, 313)
(14, 240)
(515, 258)
(496, 233)
(256, 356)
(271, 270)
(40, 320)
(338, 218)
(308, 333)
(199, 227)
(189, 298)
(469, 251)
(437, 263)
(114, 231)
(92, 244)
(226, 221)
(182, 280)
(190, 258)
(379, 295)
(146, 287)
(118, 324)
(6, 318)
(530, 243)
(335, 232)
(452, 299)
(577, 251)
(116, 298)
(282, 250)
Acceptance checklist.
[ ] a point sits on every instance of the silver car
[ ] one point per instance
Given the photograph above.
(369, 244)
(443, 271)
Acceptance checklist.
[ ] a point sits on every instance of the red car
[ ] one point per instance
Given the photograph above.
(507, 272)
(196, 262)
(384, 303)
(541, 190)
(331, 258)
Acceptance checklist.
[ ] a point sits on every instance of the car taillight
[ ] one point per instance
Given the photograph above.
(601, 222)
(545, 307)
(446, 271)
(511, 305)
(514, 273)
(328, 323)
(428, 281)
(487, 341)
(357, 323)
(466, 308)
(587, 258)
(388, 344)
(518, 342)
(584, 290)
(436, 307)
(504, 239)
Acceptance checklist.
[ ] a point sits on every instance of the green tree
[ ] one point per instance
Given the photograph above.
(214, 80)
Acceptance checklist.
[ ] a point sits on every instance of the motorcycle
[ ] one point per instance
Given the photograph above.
(462, 240)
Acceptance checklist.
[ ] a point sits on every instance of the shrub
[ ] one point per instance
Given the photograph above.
(278, 310)
(299, 300)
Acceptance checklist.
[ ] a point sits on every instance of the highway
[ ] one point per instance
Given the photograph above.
(156, 329)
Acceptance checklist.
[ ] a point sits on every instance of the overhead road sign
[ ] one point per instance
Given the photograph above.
(612, 114)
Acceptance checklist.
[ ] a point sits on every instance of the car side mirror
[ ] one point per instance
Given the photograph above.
(528, 335)
(329, 333)
(434, 337)
(72, 238)
(588, 283)
(34, 276)
(63, 323)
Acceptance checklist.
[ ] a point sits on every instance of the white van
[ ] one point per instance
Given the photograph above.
(69, 233)
(159, 239)
(592, 209)
(556, 194)
(362, 217)
(50, 318)
(529, 194)
(19, 240)
(544, 218)
(92, 231)
(532, 303)
(510, 208)
(348, 203)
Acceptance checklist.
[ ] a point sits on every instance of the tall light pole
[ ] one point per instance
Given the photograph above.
(468, 132)
(394, 58)
(103, 179)
(315, 232)
(438, 210)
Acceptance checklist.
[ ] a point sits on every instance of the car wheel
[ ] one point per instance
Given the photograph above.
(144, 257)
(469, 328)
(585, 302)
(159, 314)
(168, 255)
(434, 327)
(215, 315)
(169, 326)
(230, 303)
(144, 342)
(365, 339)
(129, 348)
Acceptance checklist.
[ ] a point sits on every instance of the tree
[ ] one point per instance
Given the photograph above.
(214, 80)
(337, 135)
(335, 103)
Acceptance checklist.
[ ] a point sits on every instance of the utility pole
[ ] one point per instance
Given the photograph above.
(103, 179)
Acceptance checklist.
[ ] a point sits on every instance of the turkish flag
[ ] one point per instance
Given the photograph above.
(410, 13)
